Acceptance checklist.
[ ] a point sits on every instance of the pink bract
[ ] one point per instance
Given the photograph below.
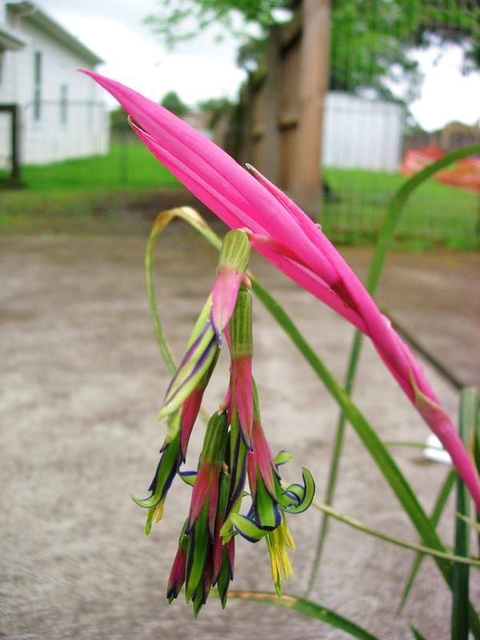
(290, 240)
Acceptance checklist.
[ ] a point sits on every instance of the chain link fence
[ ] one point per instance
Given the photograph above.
(369, 131)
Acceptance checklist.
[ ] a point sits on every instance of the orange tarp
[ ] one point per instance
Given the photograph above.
(464, 174)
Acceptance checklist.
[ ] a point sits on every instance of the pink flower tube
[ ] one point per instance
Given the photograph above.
(290, 240)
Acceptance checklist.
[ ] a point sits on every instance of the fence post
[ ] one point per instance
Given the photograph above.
(313, 83)
(15, 146)
(269, 159)
(15, 169)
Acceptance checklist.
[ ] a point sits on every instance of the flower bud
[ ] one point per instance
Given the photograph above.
(241, 349)
(232, 266)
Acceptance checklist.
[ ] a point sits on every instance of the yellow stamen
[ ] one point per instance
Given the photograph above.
(289, 542)
(158, 511)
(154, 514)
(277, 542)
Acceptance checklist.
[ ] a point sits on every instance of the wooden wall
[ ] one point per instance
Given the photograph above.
(280, 129)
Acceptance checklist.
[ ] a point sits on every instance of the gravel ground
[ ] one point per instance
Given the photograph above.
(82, 383)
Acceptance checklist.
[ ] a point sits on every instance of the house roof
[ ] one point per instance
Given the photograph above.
(33, 14)
(9, 41)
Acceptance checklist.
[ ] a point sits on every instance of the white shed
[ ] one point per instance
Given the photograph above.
(361, 133)
(61, 112)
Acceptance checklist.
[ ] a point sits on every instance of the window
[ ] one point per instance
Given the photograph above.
(37, 85)
(63, 104)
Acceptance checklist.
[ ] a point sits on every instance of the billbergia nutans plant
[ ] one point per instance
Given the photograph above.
(236, 465)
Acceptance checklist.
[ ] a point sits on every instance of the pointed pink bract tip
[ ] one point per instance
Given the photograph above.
(245, 198)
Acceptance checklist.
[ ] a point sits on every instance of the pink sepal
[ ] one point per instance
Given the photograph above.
(177, 573)
(243, 391)
(190, 410)
(263, 458)
(201, 492)
(224, 297)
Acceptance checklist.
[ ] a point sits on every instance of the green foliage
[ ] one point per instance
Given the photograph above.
(87, 195)
(170, 19)
(371, 40)
(124, 165)
(306, 608)
(436, 214)
(217, 107)
(369, 438)
(118, 120)
(214, 104)
(394, 213)
(173, 103)
(460, 575)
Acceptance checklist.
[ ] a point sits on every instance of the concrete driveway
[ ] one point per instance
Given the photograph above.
(82, 383)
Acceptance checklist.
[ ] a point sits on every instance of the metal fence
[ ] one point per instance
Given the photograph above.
(69, 144)
(46, 132)
(368, 132)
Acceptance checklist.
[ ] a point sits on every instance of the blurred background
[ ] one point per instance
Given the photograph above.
(336, 102)
(333, 102)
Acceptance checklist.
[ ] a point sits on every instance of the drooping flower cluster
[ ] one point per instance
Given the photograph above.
(235, 452)
(290, 240)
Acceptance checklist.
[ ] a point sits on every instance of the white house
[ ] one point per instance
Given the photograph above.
(61, 112)
(361, 133)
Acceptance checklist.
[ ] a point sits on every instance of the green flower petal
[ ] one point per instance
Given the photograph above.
(282, 457)
(247, 528)
(198, 544)
(304, 494)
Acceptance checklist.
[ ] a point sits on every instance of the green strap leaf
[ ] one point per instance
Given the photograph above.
(416, 634)
(371, 441)
(460, 574)
(385, 239)
(306, 608)
(421, 550)
(437, 512)
(380, 454)
(471, 523)
(195, 220)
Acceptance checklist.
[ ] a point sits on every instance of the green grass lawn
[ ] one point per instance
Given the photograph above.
(95, 194)
(127, 165)
(86, 195)
(435, 214)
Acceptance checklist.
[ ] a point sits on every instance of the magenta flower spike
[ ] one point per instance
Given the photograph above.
(205, 492)
(232, 266)
(241, 352)
(290, 240)
(188, 416)
(176, 579)
(260, 461)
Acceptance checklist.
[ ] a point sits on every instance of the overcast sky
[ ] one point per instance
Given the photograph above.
(114, 30)
(203, 69)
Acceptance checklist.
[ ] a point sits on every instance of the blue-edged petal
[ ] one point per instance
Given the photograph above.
(165, 473)
(296, 498)
(247, 528)
(282, 457)
(265, 508)
(188, 477)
